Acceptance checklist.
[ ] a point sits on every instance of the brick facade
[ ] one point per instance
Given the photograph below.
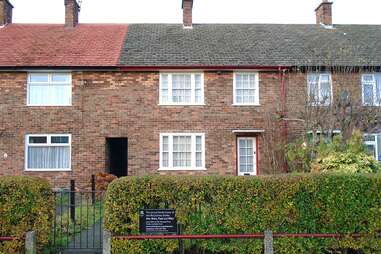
(125, 104)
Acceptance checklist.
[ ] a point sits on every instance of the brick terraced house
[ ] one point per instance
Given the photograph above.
(189, 99)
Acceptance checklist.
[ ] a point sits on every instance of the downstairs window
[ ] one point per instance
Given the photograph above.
(373, 143)
(182, 151)
(48, 152)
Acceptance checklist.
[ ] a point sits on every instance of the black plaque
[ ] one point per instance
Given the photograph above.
(157, 221)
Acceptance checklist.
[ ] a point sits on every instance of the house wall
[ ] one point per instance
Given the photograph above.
(125, 104)
(297, 98)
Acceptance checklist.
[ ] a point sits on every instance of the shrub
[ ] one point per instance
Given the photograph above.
(336, 155)
(298, 155)
(322, 203)
(345, 157)
(102, 180)
(26, 204)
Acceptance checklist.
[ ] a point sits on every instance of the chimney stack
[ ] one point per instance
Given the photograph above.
(324, 13)
(71, 13)
(187, 13)
(6, 9)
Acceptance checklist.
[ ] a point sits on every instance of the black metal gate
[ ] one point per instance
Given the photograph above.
(78, 225)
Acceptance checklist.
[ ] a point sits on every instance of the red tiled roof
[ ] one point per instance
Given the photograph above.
(46, 45)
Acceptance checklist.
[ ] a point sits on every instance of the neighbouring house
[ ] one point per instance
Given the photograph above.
(189, 99)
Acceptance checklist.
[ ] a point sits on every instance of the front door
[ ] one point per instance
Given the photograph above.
(117, 156)
(247, 156)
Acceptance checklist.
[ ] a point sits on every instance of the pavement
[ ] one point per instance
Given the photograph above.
(87, 242)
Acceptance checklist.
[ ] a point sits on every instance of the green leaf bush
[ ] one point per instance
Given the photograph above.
(313, 203)
(26, 204)
(336, 155)
(345, 157)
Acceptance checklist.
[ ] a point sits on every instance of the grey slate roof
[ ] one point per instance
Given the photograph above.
(251, 45)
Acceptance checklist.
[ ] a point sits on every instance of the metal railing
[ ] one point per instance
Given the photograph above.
(8, 238)
(268, 238)
(29, 240)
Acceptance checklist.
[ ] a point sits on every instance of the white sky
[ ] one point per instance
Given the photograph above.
(205, 11)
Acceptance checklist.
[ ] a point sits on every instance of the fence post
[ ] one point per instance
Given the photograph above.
(72, 200)
(181, 241)
(106, 242)
(268, 242)
(30, 243)
(93, 189)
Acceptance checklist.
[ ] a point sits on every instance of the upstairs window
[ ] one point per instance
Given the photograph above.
(49, 89)
(371, 89)
(182, 151)
(181, 89)
(48, 152)
(319, 89)
(246, 91)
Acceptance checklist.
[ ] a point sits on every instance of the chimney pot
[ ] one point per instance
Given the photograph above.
(187, 13)
(324, 13)
(71, 13)
(6, 9)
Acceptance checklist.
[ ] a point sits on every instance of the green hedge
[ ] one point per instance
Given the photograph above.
(231, 205)
(26, 204)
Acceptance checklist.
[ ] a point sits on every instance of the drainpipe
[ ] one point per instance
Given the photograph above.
(283, 101)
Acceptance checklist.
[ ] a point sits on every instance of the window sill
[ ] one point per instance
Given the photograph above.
(246, 105)
(47, 170)
(371, 105)
(161, 104)
(50, 106)
(182, 169)
(320, 105)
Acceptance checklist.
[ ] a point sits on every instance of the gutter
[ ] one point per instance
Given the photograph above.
(201, 67)
(50, 68)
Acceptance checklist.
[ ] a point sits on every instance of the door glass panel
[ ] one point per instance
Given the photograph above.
(246, 156)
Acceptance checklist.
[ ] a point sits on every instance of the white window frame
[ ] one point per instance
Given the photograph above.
(319, 102)
(170, 151)
(50, 75)
(193, 91)
(374, 103)
(373, 143)
(48, 144)
(256, 102)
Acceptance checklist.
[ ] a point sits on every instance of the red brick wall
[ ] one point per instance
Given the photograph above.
(296, 85)
(125, 104)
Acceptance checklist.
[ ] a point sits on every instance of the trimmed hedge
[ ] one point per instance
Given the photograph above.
(26, 204)
(231, 205)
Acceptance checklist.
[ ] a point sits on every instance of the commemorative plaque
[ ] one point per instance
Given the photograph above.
(157, 221)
